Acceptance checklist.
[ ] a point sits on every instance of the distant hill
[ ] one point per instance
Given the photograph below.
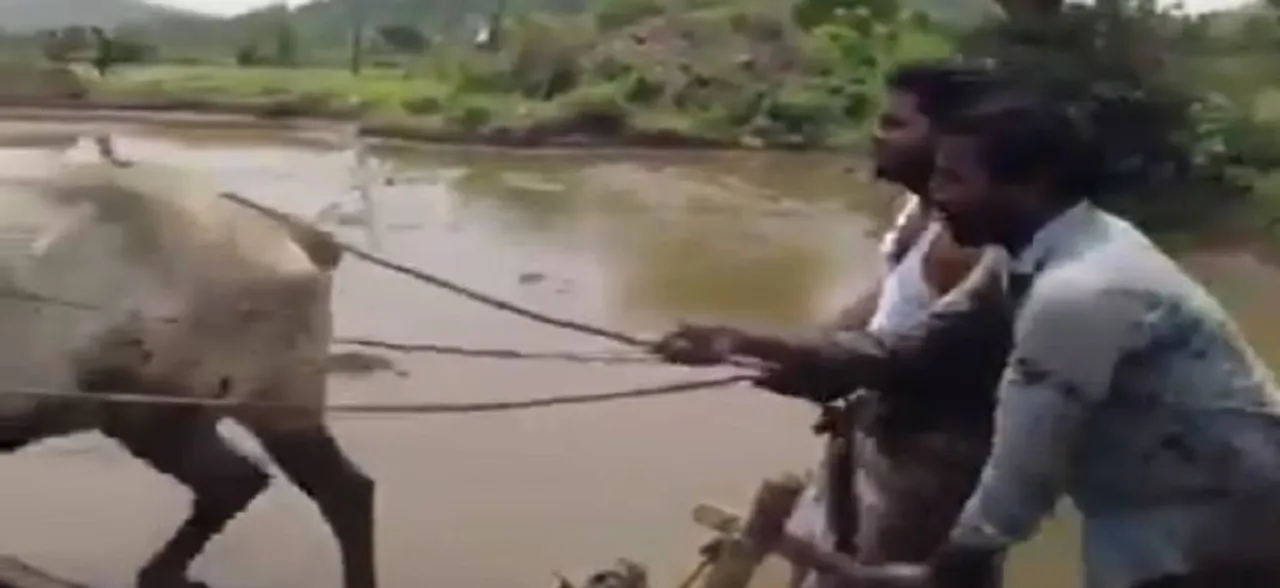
(330, 18)
(328, 22)
(22, 16)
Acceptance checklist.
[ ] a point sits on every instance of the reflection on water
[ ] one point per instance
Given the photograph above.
(636, 242)
(682, 267)
(675, 240)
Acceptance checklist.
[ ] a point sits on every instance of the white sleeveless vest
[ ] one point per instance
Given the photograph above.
(905, 300)
(905, 295)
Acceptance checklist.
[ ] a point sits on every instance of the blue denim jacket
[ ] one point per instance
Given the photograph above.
(1131, 391)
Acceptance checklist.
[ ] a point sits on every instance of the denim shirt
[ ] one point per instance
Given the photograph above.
(1131, 391)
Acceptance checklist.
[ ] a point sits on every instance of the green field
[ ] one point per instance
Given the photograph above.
(384, 91)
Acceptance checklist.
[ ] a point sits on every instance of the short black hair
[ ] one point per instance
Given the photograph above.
(1024, 134)
(944, 87)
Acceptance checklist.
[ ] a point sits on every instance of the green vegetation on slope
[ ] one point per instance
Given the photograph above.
(328, 21)
(22, 16)
(726, 72)
(1187, 139)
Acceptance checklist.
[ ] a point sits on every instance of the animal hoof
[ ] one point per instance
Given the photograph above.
(165, 579)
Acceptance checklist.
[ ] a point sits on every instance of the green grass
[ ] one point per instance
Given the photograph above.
(384, 91)
(423, 105)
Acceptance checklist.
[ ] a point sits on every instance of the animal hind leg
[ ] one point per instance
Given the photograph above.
(311, 457)
(185, 445)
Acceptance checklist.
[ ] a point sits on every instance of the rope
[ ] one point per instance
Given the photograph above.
(405, 408)
(448, 285)
(437, 348)
(465, 292)
(494, 353)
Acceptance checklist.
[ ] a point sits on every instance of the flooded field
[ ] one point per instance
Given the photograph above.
(631, 241)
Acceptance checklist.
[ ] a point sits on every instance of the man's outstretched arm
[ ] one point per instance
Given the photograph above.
(965, 335)
(1067, 343)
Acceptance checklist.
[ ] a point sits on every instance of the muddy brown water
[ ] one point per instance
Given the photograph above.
(632, 241)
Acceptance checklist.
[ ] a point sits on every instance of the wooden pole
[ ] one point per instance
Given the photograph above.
(741, 554)
(357, 15)
(796, 550)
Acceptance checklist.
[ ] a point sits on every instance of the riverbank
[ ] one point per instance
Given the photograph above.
(288, 113)
(631, 73)
(457, 106)
(384, 105)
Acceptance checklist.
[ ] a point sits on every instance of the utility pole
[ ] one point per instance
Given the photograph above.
(496, 18)
(356, 10)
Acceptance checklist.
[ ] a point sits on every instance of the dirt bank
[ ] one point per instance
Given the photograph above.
(292, 113)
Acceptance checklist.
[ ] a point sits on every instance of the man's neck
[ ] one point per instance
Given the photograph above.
(919, 187)
(1022, 237)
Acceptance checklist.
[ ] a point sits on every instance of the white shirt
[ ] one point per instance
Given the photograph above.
(1130, 390)
(904, 301)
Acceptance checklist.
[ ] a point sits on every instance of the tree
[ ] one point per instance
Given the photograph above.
(126, 50)
(1016, 10)
(615, 14)
(62, 45)
(492, 38)
(286, 43)
(54, 48)
(356, 10)
(1168, 148)
(112, 51)
(403, 39)
(1273, 6)
(1196, 33)
(248, 55)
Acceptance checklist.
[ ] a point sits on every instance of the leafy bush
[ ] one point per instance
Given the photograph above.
(1173, 152)
(599, 101)
(640, 88)
(422, 105)
(482, 73)
(471, 114)
(545, 56)
(616, 14)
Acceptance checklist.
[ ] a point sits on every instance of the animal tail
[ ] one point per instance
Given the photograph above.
(319, 246)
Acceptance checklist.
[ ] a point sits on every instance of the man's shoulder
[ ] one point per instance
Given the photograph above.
(1070, 281)
(1118, 259)
(1079, 293)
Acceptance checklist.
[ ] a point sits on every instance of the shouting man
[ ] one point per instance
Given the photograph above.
(1128, 387)
(890, 490)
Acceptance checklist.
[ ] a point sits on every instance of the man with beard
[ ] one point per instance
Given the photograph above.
(903, 153)
(1128, 387)
(928, 479)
